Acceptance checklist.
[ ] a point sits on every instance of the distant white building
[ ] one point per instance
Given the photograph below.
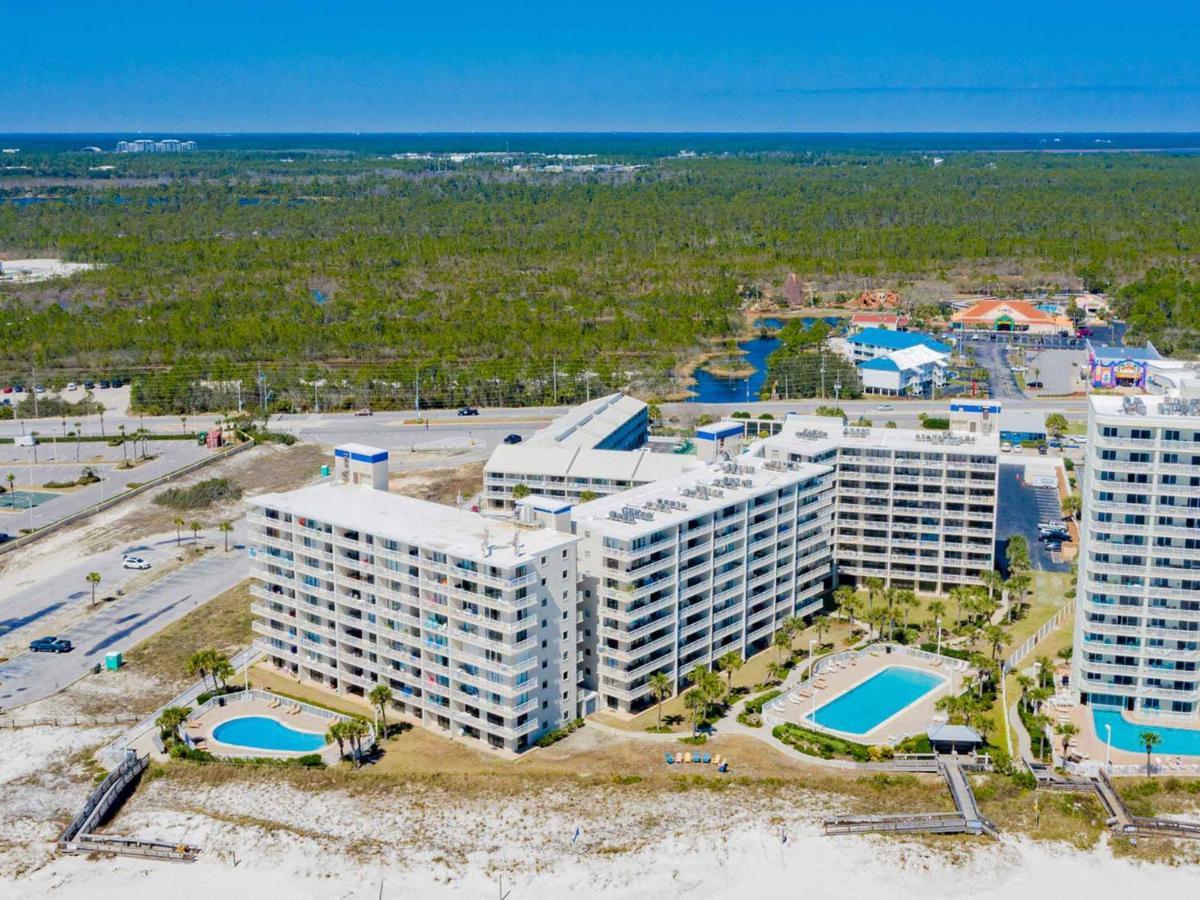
(144, 145)
(597, 448)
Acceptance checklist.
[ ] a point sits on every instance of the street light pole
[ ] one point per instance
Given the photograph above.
(1108, 748)
(811, 666)
(938, 622)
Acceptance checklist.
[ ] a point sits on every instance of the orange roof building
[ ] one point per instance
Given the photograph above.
(889, 321)
(1010, 315)
(877, 299)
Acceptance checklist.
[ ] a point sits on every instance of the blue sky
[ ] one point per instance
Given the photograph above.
(258, 65)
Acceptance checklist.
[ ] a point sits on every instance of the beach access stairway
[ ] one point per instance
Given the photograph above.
(1120, 819)
(103, 802)
(966, 819)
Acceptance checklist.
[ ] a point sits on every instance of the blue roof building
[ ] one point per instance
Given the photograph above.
(875, 342)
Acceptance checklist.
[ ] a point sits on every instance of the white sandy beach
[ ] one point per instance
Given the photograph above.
(265, 838)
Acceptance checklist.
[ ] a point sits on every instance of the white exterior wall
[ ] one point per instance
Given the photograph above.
(1137, 621)
(916, 509)
(687, 585)
(476, 642)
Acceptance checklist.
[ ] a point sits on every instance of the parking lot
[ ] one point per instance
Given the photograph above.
(1024, 501)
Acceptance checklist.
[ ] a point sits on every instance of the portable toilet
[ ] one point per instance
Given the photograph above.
(112, 661)
(324, 471)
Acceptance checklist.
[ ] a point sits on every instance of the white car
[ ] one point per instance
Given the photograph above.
(1006, 447)
(134, 562)
(72, 386)
(1017, 448)
(884, 407)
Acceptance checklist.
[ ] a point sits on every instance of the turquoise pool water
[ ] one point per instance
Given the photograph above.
(865, 706)
(1126, 735)
(263, 733)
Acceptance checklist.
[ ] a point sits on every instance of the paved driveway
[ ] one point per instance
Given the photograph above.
(1002, 385)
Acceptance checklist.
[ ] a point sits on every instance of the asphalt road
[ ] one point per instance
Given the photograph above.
(117, 626)
(1002, 385)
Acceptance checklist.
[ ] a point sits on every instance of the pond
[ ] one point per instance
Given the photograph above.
(710, 388)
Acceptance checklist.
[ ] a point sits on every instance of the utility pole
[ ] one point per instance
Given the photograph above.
(239, 393)
(822, 376)
(418, 393)
(316, 399)
(554, 380)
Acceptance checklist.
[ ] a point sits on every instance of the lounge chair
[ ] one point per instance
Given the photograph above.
(193, 725)
(706, 759)
(670, 759)
(795, 698)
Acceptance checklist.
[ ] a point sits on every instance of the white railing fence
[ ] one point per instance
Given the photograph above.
(1027, 646)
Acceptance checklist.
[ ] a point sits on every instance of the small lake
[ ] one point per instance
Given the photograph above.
(711, 388)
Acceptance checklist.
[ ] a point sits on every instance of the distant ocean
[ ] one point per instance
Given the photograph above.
(633, 143)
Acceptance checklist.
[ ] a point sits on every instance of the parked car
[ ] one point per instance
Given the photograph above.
(364, 412)
(8, 389)
(1055, 443)
(134, 562)
(51, 645)
(884, 407)
(1041, 449)
(104, 385)
(1033, 384)
(1017, 448)
(39, 388)
(468, 411)
(513, 439)
(1006, 447)
(5, 536)
(18, 388)
(72, 386)
(88, 385)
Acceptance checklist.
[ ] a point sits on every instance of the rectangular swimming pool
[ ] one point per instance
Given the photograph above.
(869, 704)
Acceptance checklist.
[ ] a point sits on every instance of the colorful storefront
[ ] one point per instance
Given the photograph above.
(1119, 367)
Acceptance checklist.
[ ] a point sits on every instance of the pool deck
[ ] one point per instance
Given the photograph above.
(201, 728)
(1090, 746)
(911, 720)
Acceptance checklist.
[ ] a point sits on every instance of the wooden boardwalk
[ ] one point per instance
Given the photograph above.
(967, 819)
(1120, 819)
(103, 802)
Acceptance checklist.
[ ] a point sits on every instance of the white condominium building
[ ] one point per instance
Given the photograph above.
(471, 622)
(914, 508)
(1137, 623)
(682, 571)
(593, 450)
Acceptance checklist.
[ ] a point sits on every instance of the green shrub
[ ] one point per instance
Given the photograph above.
(935, 423)
(553, 737)
(751, 713)
(931, 647)
(815, 743)
(199, 496)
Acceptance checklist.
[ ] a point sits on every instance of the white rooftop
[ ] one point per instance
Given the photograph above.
(589, 423)
(1176, 406)
(419, 522)
(536, 458)
(676, 500)
(815, 433)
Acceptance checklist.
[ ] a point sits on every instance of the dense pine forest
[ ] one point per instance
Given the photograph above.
(472, 274)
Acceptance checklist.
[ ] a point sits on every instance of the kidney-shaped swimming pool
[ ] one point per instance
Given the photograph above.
(265, 733)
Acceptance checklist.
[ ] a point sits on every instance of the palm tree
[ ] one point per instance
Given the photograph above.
(889, 598)
(696, 704)
(874, 588)
(357, 728)
(660, 687)
(198, 664)
(993, 581)
(337, 732)
(782, 641)
(124, 454)
(1066, 730)
(776, 672)
(222, 668)
(178, 523)
(93, 578)
(1041, 723)
(937, 609)
(226, 528)
(958, 596)
(194, 527)
(843, 599)
(821, 623)
(997, 638)
(78, 435)
(730, 663)
(1150, 740)
(381, 696)
(170, 719)
(1071, 505)
(520, 491)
